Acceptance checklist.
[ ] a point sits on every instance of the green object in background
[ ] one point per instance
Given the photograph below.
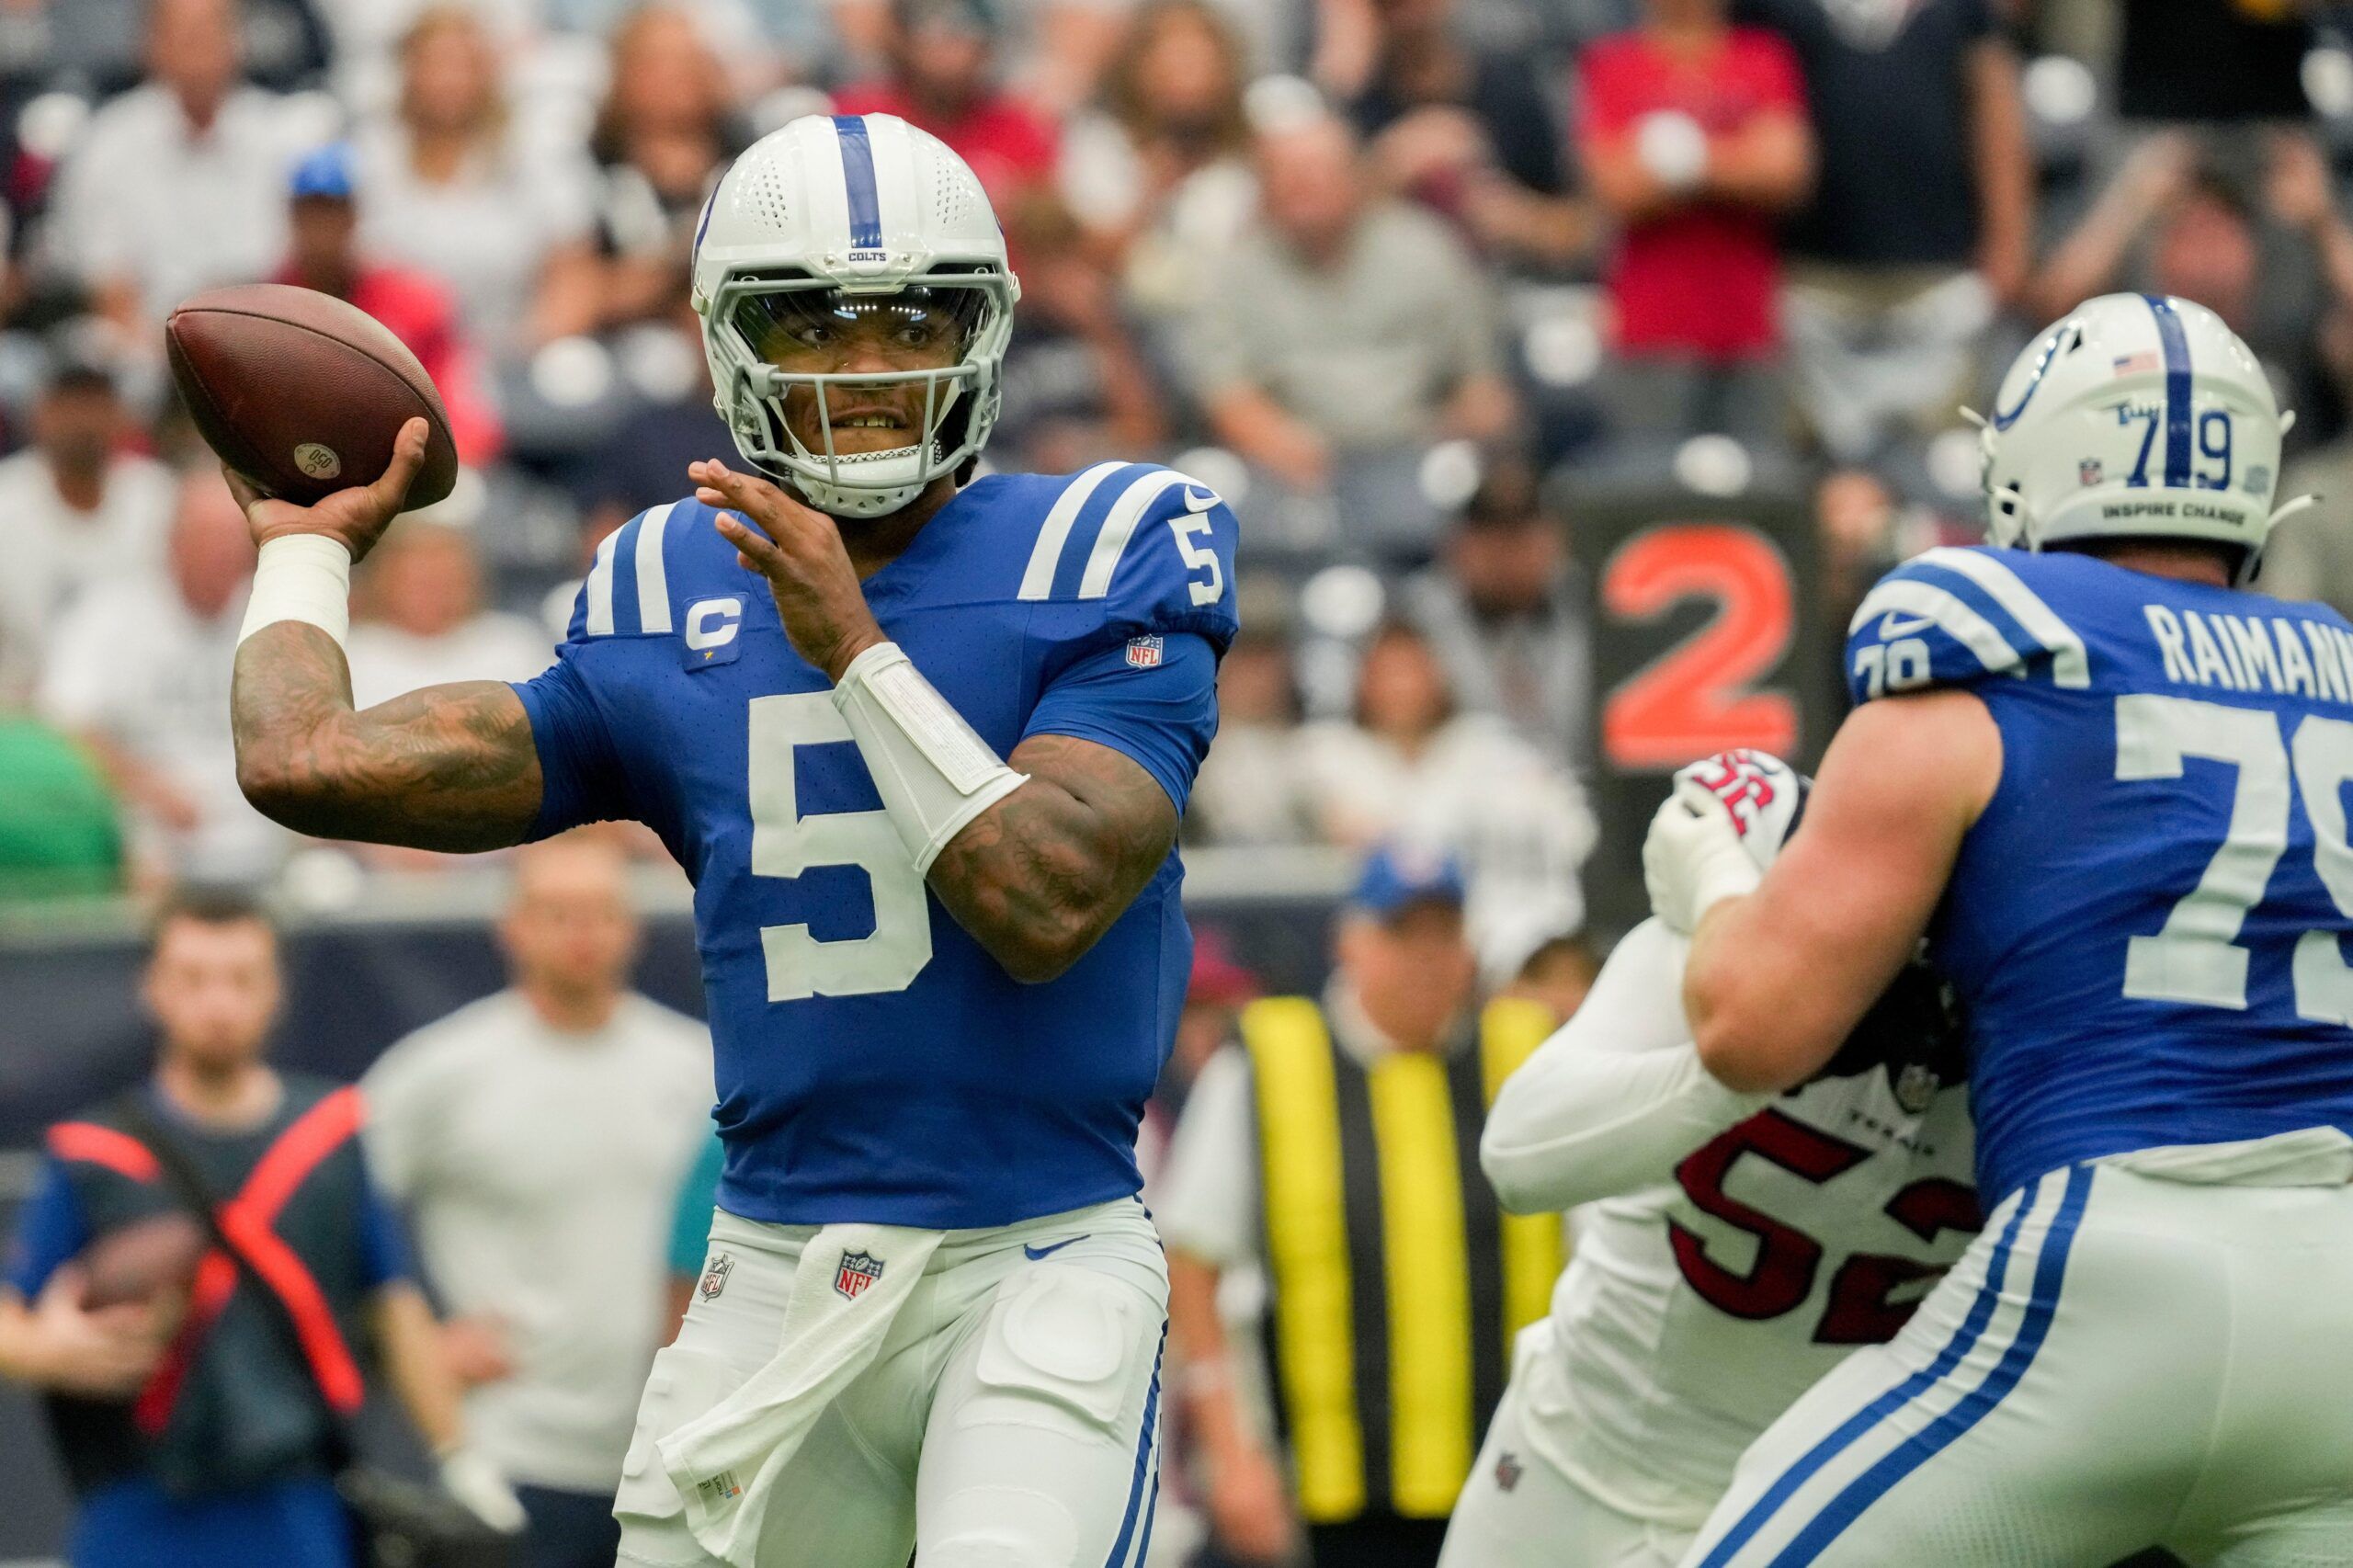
(58, 832)
(697, 1195)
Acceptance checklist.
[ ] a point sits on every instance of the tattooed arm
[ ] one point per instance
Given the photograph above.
(1040, 876)
(448, 767)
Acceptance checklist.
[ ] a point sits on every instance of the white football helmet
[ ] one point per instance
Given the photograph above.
(831, 218)
(2136, 415)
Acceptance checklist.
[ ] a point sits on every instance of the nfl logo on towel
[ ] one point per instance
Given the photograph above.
(858, 1270)
(1143, 653)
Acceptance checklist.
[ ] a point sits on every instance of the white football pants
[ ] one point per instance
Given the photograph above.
(1011, 1419)
(2120, 1361)
(1518, 1510)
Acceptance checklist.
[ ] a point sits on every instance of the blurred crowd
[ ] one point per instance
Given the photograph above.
(1401, 278)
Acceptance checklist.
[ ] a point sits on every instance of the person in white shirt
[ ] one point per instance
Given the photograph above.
(451, 185)
(1413, 765)
(423, 622)
(179, 184)
(75, 510)
(139, 670)
(535, 1139)
(1732, 1248)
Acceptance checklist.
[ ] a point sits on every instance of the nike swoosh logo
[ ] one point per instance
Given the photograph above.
(1892, 625)
(1034, 1253)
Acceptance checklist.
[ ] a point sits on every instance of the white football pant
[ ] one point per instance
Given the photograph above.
(1011, 1419)
(1518, 1510)
(2122, 1360)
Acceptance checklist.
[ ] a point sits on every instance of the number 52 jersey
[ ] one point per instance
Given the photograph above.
(2147, 925)
(874, 1063)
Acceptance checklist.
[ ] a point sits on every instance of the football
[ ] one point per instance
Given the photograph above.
(303, 393)
(143, 1260)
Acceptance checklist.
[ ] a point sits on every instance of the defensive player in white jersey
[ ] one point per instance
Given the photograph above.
(922, 740)
(2108, 784)
(1734, 1246)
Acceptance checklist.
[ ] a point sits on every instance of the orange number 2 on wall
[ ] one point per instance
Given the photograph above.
(1696, 698)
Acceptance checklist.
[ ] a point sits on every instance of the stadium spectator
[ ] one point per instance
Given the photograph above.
(940, 57)
(1054, 50)
(2310, 554)
(2248, 228)
(425, 623)
(644, 461)
(534, 1138)
(1252, 789)
(324, 224)
(1158, 171)
(60, 831)
(139, 671)
(1412, 766)
(450, 186)
(666, 130)
(1468, 129)
(193, 1434)
(1341, 336)
(78, 507)
(1505, 608)
(177, 185)
(1921, 220)
(1076, 387)
(1396, 1027)
(1693, 136)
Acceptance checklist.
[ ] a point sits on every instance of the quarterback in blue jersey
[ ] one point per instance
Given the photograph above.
(922, 743)
(2108, 783)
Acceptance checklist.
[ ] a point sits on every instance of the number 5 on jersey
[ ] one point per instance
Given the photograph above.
(787, 844)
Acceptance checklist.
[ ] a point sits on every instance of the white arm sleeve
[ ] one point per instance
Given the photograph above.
(1617, 1097)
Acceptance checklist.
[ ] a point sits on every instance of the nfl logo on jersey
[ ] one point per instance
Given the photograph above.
(856, 1272)
(1144, 653)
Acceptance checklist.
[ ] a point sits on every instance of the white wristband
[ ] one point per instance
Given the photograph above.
(304, 577)
(934, 773)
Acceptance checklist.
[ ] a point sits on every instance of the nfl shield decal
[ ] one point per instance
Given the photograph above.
(1144, 653)
(856, 1271)
(714, 1275)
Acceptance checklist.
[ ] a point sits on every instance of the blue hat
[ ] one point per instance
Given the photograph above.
(323, 173)
(1396, 875)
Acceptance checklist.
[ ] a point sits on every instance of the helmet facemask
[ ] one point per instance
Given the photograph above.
(926, 355)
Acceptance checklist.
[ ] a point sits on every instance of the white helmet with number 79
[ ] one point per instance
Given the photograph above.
(2136, 415)
(856, 303)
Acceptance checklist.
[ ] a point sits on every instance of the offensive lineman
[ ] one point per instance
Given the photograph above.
(2109, 783)
(927, 787)
(1736, 1246)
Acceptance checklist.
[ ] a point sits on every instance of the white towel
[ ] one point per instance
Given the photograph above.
(848, 1287)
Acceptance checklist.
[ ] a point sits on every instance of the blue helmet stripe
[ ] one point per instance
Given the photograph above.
(865, 204)
(2177, 351)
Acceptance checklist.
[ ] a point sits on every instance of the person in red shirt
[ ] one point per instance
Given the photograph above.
(1694, 136)
(322, 255)
(942, 80)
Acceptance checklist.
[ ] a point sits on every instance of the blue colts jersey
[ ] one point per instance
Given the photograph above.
(2147, 924)
(874, 1063)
